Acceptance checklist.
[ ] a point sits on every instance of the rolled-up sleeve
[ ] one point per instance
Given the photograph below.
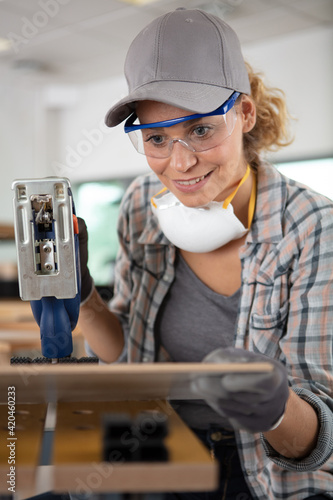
(306, 346)
(324, 447)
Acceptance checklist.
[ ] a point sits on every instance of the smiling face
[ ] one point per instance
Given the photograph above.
(196, 178)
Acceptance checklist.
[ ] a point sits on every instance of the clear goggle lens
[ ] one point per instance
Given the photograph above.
(201, 132)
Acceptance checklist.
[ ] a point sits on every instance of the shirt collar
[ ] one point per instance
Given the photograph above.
(152, 234)
(270, 203)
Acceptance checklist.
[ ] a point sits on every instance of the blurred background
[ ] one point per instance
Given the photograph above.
(61, 65)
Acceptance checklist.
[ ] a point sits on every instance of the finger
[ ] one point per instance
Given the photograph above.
(261, 412)
(209, 387)
(231, 387)
(238, 408)
(233, 355)
(248, 398)
(251, 382)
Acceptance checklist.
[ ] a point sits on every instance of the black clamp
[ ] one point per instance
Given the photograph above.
(138, 439)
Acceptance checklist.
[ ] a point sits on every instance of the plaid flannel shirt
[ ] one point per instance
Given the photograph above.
(285, 311)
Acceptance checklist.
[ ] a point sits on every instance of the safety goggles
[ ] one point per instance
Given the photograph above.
(201, 131)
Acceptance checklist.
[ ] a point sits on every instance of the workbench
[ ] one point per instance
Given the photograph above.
(66, 404)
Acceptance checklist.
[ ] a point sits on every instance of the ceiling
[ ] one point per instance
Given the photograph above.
(73, 41)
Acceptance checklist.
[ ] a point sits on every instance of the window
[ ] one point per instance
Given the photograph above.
(98, 204)
(317, 174)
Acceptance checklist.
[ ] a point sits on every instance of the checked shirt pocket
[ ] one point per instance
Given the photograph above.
(269, 314)
(270, 321)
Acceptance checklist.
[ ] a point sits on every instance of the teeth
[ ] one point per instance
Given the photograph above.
(193, 181)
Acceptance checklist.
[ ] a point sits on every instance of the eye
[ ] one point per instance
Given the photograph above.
(155, 140)
(200, 131)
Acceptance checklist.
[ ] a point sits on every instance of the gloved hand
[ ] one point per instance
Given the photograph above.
(251, 401)
(86, 279)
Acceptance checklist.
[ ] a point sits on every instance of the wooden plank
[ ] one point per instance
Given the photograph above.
(117, 382)
(16, 315)
(23, 447)
(78, 465)
(7, 232)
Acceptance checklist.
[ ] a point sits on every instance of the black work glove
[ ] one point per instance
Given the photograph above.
(251, 401)
(86, 279)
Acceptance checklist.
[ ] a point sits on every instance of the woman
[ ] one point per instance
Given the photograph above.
(222, 259)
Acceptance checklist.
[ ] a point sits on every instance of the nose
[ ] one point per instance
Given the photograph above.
(182, 157)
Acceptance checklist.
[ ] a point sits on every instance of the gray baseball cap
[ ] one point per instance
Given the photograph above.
(187, 58)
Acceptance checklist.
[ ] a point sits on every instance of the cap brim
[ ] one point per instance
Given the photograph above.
(195, 97)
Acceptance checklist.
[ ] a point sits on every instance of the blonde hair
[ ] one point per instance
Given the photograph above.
(271, 131)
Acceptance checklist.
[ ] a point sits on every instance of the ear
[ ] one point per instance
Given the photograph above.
(248, 113)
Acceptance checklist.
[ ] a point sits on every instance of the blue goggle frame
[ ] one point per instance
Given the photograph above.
(222, 110)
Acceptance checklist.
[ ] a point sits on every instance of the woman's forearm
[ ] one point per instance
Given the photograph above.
(297, 434)
(101, 328)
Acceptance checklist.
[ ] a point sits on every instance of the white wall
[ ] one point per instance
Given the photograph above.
(301, 64)
(22, 153)
(87, 147)
(60, 131)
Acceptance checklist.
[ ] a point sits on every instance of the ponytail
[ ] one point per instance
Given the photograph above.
(271, 131)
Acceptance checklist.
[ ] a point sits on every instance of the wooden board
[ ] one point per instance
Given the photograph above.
(78, 465)
(7, 232)
(117, 382)
(25, 448)
(15, 311)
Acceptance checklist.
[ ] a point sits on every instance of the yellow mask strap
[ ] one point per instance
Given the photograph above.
(252, 201)
(152, 198)
(233, 194)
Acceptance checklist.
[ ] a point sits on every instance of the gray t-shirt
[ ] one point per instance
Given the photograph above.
(193, 321)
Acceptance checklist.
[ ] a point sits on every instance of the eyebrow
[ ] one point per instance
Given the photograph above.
(186, 124)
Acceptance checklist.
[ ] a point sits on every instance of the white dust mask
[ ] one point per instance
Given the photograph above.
(200, 229)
